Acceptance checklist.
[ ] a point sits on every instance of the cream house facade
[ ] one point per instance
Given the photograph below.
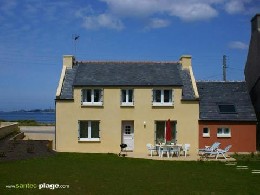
(100, 105)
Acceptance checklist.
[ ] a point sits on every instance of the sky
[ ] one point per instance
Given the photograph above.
(35, 34)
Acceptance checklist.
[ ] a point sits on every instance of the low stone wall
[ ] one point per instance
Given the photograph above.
(7, 128)
(18, 136)
(25, 149)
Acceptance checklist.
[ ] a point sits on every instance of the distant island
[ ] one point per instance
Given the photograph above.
(35, 110)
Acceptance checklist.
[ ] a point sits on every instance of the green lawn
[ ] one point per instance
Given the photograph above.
(110, 174)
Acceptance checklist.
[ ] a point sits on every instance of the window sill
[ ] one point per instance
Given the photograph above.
(206, 135)
(227, 135)
(162, 104)
(127, 105)
(89, 140)
(92, 104)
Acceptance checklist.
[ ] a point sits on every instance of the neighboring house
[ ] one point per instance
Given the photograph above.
(227, 116)
(100, 105)
(252, 68)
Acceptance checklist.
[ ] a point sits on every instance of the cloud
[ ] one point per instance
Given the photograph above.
(184, 9)
(159, 13)
(193, 11)
(235, 6)
(102, 21)
(158, 23)
(237, 45)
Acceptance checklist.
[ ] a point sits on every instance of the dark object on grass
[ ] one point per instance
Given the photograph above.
(123, 151)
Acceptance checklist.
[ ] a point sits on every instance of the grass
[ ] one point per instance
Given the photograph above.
(110, 174)
(29, 123)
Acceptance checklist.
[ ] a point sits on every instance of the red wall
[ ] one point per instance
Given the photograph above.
(243, 135)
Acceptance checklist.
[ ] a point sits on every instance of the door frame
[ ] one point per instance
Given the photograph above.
(123, 124)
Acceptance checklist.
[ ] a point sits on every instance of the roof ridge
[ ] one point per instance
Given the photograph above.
(216, 81)
(127, 62)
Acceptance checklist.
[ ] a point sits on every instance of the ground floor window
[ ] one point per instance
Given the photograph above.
(206, 132)
(160, 132)
(89, 131)
(224, 132)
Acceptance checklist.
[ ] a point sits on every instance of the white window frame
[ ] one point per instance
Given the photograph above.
(162, 103)
(89, 132)
(223, 134)
(206, 134)
(92, 102)
(127, 102)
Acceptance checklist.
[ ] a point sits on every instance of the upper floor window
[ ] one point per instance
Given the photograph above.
(89, 131)
(162, 97)
(127, 97)
(92, 97)
(224, 132)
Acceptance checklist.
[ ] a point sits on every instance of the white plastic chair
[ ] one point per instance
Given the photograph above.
(151, 148)
(164, 149)
(185, 149)
(218, 152)
(175, 150)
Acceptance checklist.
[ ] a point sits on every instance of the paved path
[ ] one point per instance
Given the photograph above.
(191, 157)
(39, 133)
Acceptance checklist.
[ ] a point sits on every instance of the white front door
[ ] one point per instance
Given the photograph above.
(128, 134)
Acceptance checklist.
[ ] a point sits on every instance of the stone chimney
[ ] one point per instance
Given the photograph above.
(255, 23)
(68, 61)
(185, 61)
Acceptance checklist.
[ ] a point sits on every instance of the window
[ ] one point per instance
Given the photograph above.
(89, 131)
(224, 132)
(160, 131)
(127, 97)
(127, 130)
(92, 97)
(162, 97)
(227, 109)
(206, 132)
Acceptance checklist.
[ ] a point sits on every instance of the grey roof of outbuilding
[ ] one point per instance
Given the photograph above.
(148, 74)
(214, 93)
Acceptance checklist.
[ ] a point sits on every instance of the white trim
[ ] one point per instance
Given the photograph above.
(206, 134)
(223, 134)
(92, 103)
(127, 103)
(162, 104)
(193, 82)
(89, 132)
(89, 139)
(62, 76)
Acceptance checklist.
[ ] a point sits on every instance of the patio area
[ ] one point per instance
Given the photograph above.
(191, 157)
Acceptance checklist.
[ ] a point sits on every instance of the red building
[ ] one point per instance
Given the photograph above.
(226, 116)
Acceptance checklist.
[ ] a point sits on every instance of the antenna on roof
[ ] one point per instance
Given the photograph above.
(224, 68)
(75, 38)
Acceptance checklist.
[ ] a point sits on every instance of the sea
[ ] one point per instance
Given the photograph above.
(40, 117)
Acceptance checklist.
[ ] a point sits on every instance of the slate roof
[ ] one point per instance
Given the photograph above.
(107, 74)
(214, 93)
(128, 74)
(67, 87)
